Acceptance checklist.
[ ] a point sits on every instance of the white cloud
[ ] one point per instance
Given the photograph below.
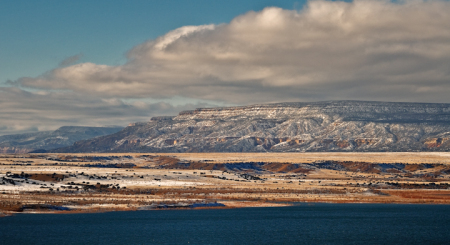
(375, 50)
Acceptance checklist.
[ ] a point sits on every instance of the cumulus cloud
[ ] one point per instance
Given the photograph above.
(377, 50)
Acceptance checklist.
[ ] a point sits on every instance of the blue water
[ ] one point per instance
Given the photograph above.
(304, 224)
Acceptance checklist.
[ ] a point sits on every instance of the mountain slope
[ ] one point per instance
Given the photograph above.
(318, 126)
(41, 141)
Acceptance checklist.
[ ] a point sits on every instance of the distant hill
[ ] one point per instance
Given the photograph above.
(46, 140)
(350, 126)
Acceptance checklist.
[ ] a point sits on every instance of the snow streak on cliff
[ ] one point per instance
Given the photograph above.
(287, 127)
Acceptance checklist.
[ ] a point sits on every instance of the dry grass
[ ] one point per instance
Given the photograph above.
(87, 183)
(370, 157)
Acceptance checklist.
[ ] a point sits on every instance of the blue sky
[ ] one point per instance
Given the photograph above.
(37, 35)
(102, 62)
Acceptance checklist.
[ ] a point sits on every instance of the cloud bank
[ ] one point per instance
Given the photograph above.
(375, 50)
(23, 111)
(361, 50)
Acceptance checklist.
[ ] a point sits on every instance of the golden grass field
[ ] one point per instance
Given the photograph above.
(371, 157)
(129, 181)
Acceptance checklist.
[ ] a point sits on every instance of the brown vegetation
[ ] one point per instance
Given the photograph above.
(90, 182)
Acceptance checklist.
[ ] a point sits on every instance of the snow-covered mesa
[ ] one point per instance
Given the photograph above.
(287, 127)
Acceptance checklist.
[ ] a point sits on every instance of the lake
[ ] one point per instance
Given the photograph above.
(316, 223)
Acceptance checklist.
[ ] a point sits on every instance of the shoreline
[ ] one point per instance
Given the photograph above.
(231, 205)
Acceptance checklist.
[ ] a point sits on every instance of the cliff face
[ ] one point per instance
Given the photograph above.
(290, 127)
(42, 141)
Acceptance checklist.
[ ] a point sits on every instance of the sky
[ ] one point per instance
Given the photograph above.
(97, 63)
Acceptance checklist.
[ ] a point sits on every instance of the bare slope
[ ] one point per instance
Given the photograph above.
(41, 141)
(287, 127)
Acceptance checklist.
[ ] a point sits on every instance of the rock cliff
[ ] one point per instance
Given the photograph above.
(287, 127)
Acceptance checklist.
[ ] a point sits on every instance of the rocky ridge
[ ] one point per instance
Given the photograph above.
(287, 127)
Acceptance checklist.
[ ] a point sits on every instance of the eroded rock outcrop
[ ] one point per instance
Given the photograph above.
(290, 127)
